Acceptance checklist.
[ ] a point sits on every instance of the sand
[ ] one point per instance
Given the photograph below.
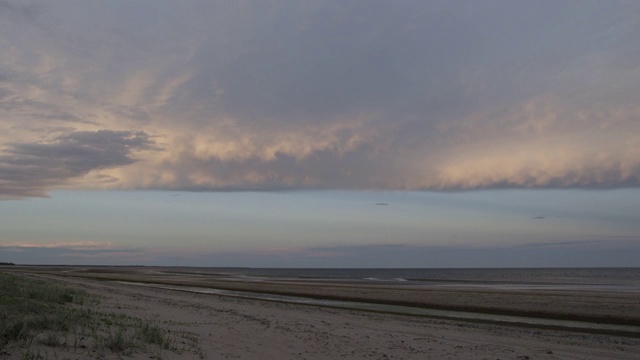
(219, 327)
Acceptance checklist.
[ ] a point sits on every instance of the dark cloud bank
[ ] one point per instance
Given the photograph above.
(599, 254)
(417, 95)
(28, 169)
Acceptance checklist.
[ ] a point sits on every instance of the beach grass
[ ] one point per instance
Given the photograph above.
(42, 320)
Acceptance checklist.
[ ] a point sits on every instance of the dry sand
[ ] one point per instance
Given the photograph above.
(218, 327)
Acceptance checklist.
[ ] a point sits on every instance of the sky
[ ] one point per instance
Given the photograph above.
(292, 133)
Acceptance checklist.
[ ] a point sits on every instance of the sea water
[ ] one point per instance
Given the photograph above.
(625, 280)
(593, 279)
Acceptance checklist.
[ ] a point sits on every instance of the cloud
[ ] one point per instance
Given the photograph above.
(73, 252)
(597, 253)
(28, 169)
(607, 252)
(68, 245)
(545, 144)
(324, 95)
(21, 10)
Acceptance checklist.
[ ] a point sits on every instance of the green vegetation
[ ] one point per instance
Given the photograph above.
(44, 320)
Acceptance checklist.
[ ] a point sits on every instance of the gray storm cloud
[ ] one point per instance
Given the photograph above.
(240, 95)
(28, 169)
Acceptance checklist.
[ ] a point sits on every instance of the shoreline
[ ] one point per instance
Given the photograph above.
(592, 327)
(215, 326)
(619, 308)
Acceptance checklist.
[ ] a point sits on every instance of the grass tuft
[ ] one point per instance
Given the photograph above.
(32, 309)
(153, 334)
(119, 341)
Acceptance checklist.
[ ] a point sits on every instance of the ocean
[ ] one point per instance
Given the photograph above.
(594, 279)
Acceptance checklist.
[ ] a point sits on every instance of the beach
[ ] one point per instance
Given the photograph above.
(212, 326)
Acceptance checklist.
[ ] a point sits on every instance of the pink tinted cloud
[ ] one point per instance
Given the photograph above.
(70, 245)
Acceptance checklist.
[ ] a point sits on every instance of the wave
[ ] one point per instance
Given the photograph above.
(385, 279)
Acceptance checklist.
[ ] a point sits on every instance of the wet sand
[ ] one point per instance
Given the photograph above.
(218, 327)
